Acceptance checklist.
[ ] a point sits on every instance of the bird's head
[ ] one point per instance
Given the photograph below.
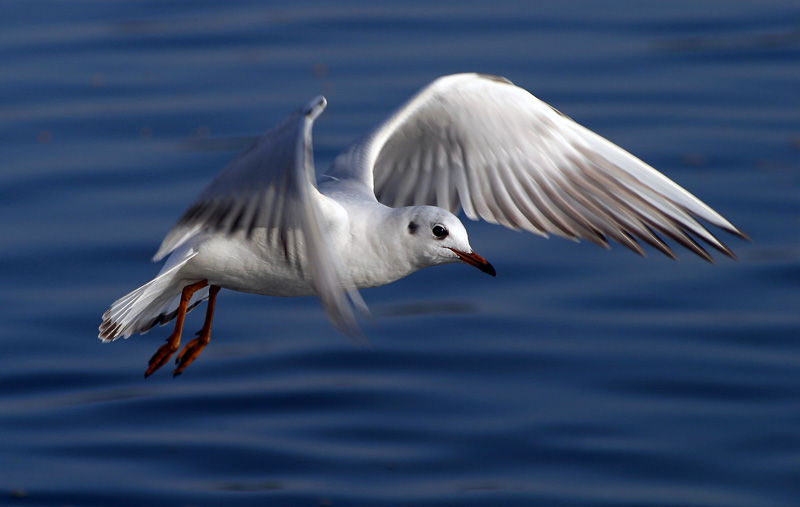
(436, 237)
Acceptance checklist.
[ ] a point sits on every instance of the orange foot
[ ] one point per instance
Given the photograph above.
(163, 354)
(196, 346)
(190, 353)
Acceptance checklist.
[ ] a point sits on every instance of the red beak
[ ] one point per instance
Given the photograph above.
(476, 260)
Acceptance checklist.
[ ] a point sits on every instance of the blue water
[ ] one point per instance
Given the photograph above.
(577, 377)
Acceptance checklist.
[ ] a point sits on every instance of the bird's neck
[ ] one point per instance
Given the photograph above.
(377, 259)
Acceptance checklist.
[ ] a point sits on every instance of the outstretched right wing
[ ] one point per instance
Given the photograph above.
(481, 144)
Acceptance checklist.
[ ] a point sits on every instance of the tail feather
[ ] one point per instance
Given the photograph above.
(153, 303)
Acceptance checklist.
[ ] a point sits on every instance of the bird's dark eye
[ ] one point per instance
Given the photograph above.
(439, 231)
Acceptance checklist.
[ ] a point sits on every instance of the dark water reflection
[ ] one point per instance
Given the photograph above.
(577, 377)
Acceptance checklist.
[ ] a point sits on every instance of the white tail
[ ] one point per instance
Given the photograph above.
(155, 302)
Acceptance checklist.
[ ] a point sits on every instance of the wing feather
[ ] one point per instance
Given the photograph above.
(272, 185)
(481, 144)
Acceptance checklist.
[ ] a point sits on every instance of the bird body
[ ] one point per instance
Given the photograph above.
(385, 208)
(258, 264)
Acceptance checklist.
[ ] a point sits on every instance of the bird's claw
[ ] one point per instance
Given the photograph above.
(161, 357)
(189, 353)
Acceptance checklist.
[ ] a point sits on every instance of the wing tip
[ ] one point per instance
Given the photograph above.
(495, 78)
(740, 233)
(315, 107)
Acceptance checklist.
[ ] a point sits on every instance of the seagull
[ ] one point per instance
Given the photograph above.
(387, 207)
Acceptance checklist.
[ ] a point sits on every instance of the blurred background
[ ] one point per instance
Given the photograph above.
(578, 376)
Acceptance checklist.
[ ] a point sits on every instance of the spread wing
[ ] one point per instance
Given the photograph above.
(480, 143)
(272, 185)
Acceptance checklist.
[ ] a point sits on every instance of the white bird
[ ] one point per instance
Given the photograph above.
(385, 208)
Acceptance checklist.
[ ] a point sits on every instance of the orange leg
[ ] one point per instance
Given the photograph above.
(196, 346)
(163, 354)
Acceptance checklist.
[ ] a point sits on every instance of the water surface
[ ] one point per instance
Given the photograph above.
(577, 377)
